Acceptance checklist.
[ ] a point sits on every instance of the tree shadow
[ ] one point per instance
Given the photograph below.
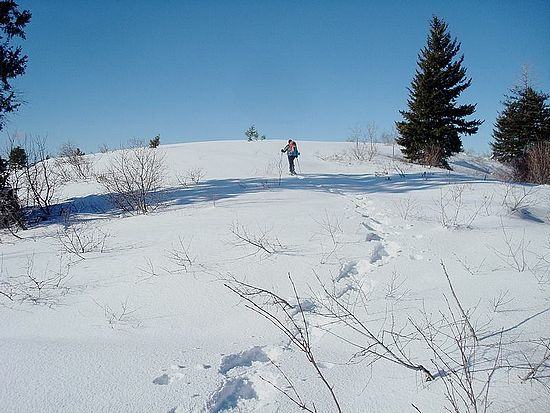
(216, 190)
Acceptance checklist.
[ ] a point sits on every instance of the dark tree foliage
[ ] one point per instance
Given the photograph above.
(524, 121)
(10, 210)
(252, 134)
(431, 129)
(155, 142)
(3, 173)
(12, 61)
(18, 157)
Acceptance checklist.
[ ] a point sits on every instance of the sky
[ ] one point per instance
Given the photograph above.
(104, 72)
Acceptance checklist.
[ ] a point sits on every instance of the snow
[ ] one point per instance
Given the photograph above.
(132, 331)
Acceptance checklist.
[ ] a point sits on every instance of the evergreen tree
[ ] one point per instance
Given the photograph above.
(431, 129)
(18, 157)
(3, 173)
(155, 142)
(12, 62)
(252, 134)
(524, 121)
(10, 210)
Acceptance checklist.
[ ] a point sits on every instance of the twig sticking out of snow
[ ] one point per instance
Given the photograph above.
(283, 316)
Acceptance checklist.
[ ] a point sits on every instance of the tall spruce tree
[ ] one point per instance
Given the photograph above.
(12, 62)
(524, 121)
(431, 129)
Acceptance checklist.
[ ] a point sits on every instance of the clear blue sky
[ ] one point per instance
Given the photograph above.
(106, 71)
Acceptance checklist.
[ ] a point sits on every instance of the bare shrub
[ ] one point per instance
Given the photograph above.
(78, 164)
(390, 139)
(518, 197)
(463, 360)
(103, 148)
(519, 256)
(471, 268)
(331, 227)
(456, 357)
(291, 321)
(123, 316)
(498, 303)
(433, 156)
(395, 287)
(533, 165)
(181, 257)
(80, 239)
(149, 271)
(372, 343)
(537, 366)
(41, 175)
(407, 207)
(452, 339)
(363, 142)
(335, 157)
(192, 176)
(538, 163)
(132, 178)
(515, 253)
(36, 287)
(262, 244)
(453, 209)
(135, 143)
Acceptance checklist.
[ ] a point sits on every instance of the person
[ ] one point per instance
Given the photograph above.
(291, 150)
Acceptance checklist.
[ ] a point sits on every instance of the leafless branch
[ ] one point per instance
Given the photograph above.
(283, 316)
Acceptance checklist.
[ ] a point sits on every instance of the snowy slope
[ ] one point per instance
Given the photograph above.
(130, 330)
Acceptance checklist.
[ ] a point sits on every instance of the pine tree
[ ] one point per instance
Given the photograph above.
(431, 129)
(252, 134)
(155, 142)
(524, 121)
(18, 157)
(12, 62)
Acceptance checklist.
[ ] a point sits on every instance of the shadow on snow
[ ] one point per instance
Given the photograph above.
(222, 189)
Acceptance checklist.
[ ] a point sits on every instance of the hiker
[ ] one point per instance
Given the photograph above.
(291, 150)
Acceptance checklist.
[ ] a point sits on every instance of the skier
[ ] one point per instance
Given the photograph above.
(291, 150)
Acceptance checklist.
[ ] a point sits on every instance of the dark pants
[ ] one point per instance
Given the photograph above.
(291, 164)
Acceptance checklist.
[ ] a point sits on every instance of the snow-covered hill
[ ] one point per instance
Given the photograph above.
(145, 322)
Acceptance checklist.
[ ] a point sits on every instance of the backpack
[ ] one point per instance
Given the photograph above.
(294, 151)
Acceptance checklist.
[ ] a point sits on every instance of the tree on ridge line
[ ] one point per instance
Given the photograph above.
(431, 127)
